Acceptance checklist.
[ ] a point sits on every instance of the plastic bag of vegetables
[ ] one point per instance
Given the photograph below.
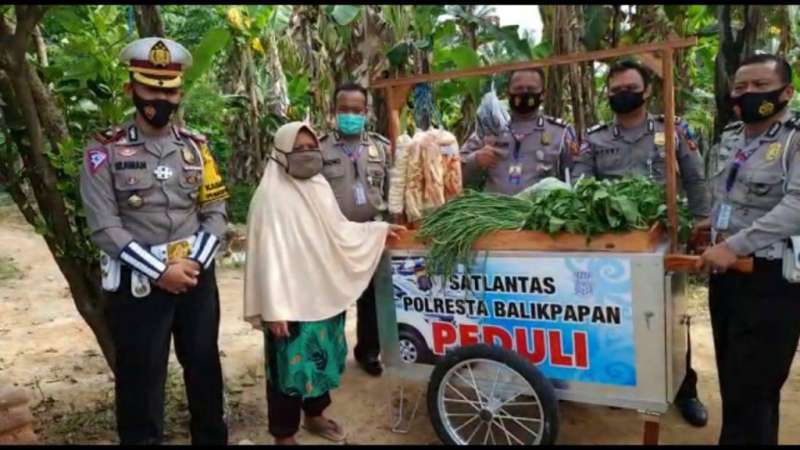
(492, 117)
(545, 185)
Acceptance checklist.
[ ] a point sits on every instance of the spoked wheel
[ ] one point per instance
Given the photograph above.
(489, 395)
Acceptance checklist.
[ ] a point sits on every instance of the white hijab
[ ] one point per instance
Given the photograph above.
(305, 260)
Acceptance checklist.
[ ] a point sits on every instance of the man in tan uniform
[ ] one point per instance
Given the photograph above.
(154, 202)
(356, 164)
(755, 317)
(534, 147)
(634, 145)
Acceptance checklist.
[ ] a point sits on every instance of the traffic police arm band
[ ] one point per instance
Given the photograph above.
(204, 249)
(135, 256)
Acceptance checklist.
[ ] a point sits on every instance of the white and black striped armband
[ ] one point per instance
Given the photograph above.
(204, 249)
(135, 256)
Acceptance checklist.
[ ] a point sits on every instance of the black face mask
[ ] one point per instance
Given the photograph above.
(755, 106)
(156, 112)
(626, 101)
(525, 103)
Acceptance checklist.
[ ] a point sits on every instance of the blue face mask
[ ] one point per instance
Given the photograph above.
(350, 124)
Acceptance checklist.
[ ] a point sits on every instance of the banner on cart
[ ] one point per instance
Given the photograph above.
(570, 316)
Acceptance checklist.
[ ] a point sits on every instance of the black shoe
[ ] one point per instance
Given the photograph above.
(693, 411)
(371, 365)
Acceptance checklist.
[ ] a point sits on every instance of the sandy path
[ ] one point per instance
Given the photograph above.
(44, 345)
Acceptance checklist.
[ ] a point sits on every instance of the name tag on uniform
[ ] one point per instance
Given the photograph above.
(515, 174)
(723, 217)
(360, 194)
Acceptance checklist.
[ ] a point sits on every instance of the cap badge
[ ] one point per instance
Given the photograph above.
(159, 54)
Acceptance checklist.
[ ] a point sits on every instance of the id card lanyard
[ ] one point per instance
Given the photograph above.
(725, 209)
(353, 152)
(515, 170)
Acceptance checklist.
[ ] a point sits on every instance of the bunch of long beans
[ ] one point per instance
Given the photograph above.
(452, 229)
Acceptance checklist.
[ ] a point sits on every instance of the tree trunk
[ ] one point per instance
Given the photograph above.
(41, 48)
(148, 21)
(36, 125)
(733, 48)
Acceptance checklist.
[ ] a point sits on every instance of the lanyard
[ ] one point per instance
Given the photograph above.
(518, 138)
(354, 153)
(738, 161)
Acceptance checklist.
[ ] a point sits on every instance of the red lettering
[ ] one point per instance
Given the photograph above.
(490, 332)
(468, 333)
(557, 356)
(539, 350)
(444, 335)
(581, 349)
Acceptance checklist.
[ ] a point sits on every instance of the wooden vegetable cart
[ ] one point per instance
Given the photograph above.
(601, 322)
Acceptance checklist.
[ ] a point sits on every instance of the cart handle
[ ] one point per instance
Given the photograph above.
(687, 263)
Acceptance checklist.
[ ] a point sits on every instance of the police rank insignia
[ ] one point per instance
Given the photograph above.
(773, 151)
(373, 152)
(134, 201)
(659, 138)
(159, 54)
(188, 156)
(126, 151)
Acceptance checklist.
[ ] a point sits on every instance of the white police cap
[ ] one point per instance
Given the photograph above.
(156, 62)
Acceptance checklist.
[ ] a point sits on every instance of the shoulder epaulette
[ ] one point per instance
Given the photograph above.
(110, 135)
(732, 126)
(380, 138)
(596, 128)
(197, 137)
(557, 121)
(794, 122)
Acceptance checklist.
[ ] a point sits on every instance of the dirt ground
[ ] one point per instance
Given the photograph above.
(46, 347)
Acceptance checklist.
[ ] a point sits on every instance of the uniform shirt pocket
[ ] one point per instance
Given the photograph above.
(191, 178)
(764, 183)
(333, 168)
(609, 160)
(133, 180)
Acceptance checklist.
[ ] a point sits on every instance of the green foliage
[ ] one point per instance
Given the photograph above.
(239, 202)
(592, 207)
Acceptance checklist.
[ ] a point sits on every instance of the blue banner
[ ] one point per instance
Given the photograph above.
(570, 316)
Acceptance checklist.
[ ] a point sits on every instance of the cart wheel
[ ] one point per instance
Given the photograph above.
(484, 394)
(413, 348)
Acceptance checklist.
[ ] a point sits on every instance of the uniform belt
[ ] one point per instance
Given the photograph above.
(179, 248)
(771, 252)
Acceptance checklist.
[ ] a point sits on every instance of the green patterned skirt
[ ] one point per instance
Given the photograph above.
(310, 362)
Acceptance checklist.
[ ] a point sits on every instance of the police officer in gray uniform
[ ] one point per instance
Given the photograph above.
(356, 164)
(154, 203)
(535, 146)
(634, 145)
(755, 317)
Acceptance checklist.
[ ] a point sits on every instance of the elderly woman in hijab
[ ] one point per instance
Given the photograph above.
(305, 264)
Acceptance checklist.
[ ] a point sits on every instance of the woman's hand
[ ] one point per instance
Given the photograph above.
(394, 229)
(278, 329)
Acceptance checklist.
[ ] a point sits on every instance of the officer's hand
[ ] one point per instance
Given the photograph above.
(192, 264)
(717, 258)
(700, 237)
(395, 230)
(278, 329)
(488, 156)
(178, 278)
